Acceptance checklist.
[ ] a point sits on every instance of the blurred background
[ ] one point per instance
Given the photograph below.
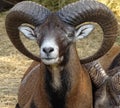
(13, 64)
(57, 4)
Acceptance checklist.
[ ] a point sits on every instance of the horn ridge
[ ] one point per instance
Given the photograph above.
(24, 12)
(92, 11)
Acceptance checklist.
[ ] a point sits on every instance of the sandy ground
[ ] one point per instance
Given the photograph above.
(13, 64)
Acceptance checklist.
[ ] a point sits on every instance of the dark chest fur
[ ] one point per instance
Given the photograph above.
(57, 97)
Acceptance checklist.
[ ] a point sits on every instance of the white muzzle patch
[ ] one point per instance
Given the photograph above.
(49, 52)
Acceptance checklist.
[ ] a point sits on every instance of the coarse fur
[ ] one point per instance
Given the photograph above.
(108, 94)
(104, 92)
(106, 88)
(107, 60)
(52, 84)
(58, 80)
(70, 94)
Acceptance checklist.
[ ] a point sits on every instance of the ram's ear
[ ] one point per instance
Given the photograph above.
(27, 32)
(83, 31)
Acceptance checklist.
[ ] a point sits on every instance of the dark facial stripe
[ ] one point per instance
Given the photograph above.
(33, 105)
(57, 97)
(115, 62)
(17, 106)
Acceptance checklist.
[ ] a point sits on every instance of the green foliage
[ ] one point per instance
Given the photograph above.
(114, 5)
(54, 4)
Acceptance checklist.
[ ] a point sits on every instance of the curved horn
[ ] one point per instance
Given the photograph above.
(116, 83)
(24, 12)
(92, 11)
(97, 73)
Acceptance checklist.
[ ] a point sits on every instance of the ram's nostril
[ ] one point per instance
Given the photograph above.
(48, 50)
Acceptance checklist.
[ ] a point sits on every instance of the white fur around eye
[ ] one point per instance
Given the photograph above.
(27, 32)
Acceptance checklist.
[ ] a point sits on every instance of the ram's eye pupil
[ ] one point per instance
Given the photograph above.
(69, 35)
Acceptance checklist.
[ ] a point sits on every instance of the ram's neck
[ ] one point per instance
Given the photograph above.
(58, 86)
(53, 75)
(74, 67)
(62, 79)
(71, 69)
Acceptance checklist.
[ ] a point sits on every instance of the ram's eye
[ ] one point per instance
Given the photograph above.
(70, 35)
(35, 35)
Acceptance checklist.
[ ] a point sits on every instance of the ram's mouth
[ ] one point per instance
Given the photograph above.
(51, 61)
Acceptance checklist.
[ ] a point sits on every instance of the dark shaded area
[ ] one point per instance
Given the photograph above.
(33, 105)
(7, 4)
(11, 1)
(17, 106)
(57, 97)
(116, 62)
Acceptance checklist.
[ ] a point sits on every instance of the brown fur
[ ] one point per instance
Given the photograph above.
(77, 97)
(32, 87)
(107, 88)
(107, 59)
